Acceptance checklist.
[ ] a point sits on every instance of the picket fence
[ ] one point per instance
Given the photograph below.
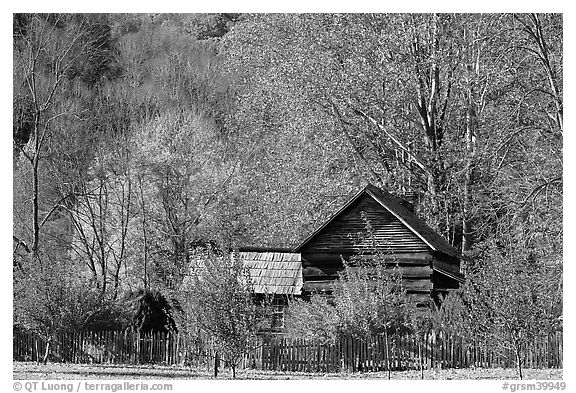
(403, 352)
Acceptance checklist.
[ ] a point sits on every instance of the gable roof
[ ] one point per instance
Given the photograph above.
(407, 217)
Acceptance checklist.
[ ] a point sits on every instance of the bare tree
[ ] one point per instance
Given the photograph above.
(47, 51)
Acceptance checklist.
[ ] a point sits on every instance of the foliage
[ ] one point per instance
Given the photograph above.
(453, 317)
(516, 296)
(510, 298)
(49, 298)
(136, 137)
(369, 298)
(153, 312)
(419, 102)
(218, 299)
(315, 319)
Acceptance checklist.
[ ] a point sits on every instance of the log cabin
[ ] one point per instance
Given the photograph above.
(429, 265)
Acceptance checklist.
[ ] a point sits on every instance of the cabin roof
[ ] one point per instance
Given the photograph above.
(453, 275)
(278, 273)
(408, 218)
(274, 272)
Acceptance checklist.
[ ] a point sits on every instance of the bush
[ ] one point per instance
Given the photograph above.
(369, 298)
(152, 312)
(315, 319)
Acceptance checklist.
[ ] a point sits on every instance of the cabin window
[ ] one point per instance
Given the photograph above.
(278, 306)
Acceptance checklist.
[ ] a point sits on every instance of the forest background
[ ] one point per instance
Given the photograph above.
(137, 138)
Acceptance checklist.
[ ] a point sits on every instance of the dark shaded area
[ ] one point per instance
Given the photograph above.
(153, 312)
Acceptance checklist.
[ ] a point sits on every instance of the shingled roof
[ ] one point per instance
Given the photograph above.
(402, 213)
(271, 272)
(274, 272)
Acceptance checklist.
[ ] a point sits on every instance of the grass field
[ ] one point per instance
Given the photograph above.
(32, 371)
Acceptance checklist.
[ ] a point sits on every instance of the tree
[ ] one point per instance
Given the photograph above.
(315, 319)
(370, 300)
(50, 298)
(219, 300)
(513, 298)
(420, 321)
(50, 53)
(189, 169)
(425, 103)
(383, 81)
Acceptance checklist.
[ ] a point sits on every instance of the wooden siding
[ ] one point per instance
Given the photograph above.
(347, 233)
(335, 259)
(331, 272)
(321, 270)
(411, 285)
(426, 261)
(450, 265)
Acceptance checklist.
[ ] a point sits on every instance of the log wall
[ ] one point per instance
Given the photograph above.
(367, 227)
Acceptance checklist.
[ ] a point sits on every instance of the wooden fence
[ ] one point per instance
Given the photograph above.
(402, 352)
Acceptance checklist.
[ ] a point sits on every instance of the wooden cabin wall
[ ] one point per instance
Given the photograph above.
(347, 236)
(447, 263)
(321, 270)
(441, 282)
(347, 233)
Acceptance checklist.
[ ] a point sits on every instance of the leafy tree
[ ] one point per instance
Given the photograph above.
(219, 300)
(184, 163)
(315, 319)
(512, 298)
(210, 26)
(50, 298)
(369, 298)
(419, 101)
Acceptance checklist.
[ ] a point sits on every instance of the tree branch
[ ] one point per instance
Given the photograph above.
(20, 242)
(537, 190)
(416, 160)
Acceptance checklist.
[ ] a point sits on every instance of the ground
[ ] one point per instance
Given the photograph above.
(34, 371)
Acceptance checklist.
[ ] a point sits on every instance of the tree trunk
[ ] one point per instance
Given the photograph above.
(35, 219)
(387, 353)
(519, 362)
(45, 359)
(144, 234)
(216, 364)
(471, 136)
(37, 350)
